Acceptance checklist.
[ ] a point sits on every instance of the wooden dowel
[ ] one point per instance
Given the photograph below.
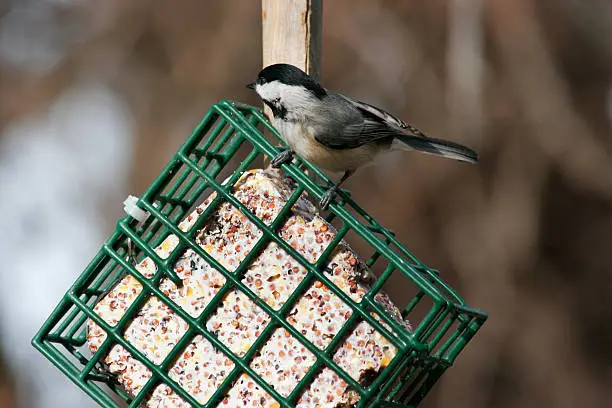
(292, 33)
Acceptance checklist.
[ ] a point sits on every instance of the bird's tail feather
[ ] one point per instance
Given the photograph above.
(437, 147)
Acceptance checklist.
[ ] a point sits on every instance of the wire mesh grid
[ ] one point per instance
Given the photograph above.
(229, 140)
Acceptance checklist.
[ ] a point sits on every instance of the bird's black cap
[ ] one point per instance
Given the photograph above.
(289, 75)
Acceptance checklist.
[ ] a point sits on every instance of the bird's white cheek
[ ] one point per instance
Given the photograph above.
(259, 90)
(269, 91)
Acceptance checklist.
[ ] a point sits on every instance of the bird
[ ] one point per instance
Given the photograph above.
(335, 132)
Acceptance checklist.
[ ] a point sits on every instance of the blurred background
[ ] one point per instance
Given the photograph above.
(95, 97)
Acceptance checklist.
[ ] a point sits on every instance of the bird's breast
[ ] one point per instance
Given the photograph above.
(301, 139)
(298, 136)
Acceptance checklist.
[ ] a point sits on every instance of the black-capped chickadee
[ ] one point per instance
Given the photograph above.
(335, 132)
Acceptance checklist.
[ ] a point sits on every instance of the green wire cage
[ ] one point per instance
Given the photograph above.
(229, 140)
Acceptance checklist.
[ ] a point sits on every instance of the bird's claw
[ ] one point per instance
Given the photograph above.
(327, 198)
(285, 156)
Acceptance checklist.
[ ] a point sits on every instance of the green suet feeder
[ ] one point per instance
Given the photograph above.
(228, 141)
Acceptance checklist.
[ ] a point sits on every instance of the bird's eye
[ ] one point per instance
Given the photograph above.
(261, 81)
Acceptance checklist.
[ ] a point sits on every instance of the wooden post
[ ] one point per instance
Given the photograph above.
(292, 33)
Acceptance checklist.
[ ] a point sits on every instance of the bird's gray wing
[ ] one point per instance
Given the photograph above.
(358, 123)
(367, 132)
(378, 115)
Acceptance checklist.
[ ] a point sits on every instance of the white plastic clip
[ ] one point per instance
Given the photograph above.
(131, 209)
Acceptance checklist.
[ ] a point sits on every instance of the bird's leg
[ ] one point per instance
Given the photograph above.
(285, 156)
(331, 193)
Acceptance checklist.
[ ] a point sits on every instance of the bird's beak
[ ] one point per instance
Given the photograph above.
(251, 85)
